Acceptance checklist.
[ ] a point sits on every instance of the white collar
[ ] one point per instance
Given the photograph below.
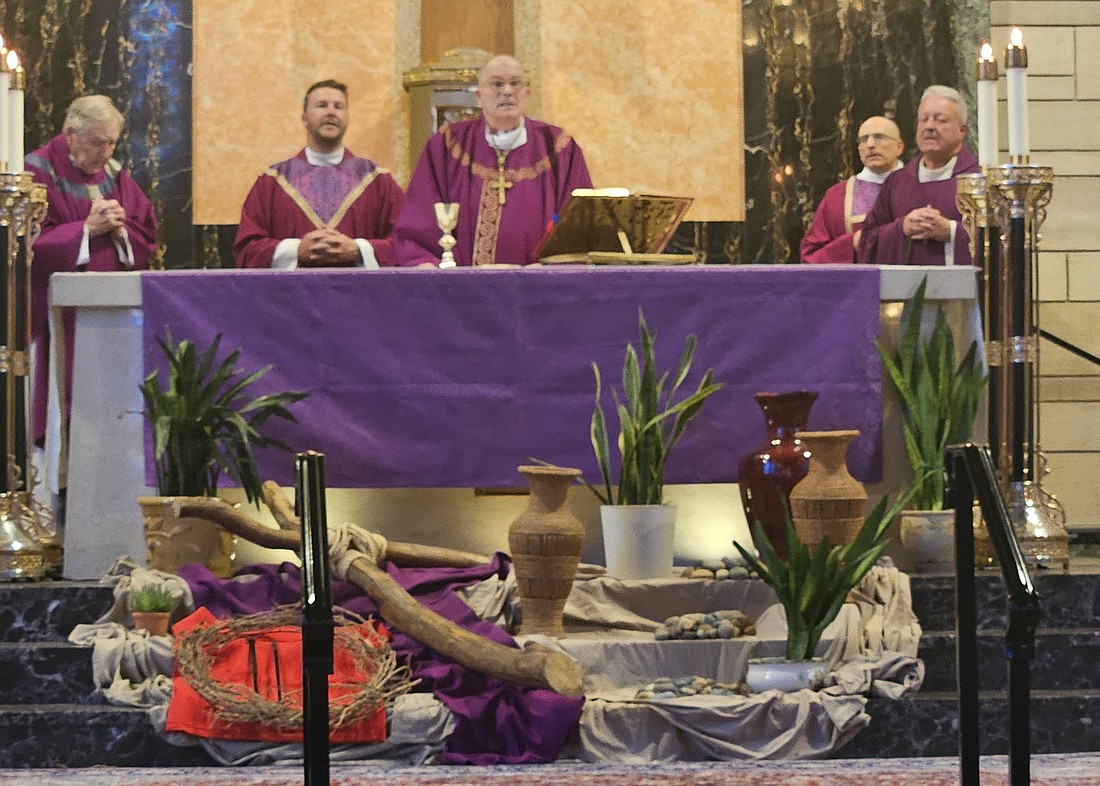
(507, 140)
(870, 176)
(325, 159)
(926, 174)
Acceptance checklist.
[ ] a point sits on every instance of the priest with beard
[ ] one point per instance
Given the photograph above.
(915, 220)
(325, 207)
(834, 234)
(97, 220)
(511, 176)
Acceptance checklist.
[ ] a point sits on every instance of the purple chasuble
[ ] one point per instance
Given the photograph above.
(458, 165)
(70, 193)
(841, 212)
(883, 241)
(496, 722)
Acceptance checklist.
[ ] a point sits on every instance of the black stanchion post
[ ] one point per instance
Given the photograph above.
(966, 622)
(317, 622)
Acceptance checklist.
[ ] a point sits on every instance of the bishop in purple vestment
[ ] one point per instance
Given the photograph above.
(98, 219)
(915, 220)
(510, 175)
(834, 234)
(325, 207)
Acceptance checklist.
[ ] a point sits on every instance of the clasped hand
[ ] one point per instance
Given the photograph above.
(106, 216)
(926, 223)
(327, 248)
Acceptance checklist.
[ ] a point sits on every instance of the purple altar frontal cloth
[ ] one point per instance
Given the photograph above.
(453, 378)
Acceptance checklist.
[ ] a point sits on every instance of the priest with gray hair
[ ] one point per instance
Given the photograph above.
(915, 220)
(98, 220)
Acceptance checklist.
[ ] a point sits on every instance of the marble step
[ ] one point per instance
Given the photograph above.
(46, 673)
(927, 725)
(1063, 660)
(1067, 600)
(49, 610)
(75, 735)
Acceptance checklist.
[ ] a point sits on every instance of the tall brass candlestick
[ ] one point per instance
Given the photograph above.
(1018, 195)
(29, 546)
(971, 199)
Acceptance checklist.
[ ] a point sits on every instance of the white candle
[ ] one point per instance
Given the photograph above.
(15, 113)
(987, 107)
(1016, 77)
(5, 83)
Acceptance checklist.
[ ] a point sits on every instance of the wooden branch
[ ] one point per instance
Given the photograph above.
(407, 555)
(534, 666)
(221, 512)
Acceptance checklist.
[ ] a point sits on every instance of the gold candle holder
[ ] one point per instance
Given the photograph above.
(1018, 195)
(446, 217)
(29, 543)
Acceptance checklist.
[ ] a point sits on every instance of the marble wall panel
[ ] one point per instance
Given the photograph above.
(254, 60)
(138, 55)
(654, 98)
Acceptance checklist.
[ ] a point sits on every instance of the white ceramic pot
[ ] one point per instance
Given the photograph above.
(929, 537)
(785, 675)
(637, 540)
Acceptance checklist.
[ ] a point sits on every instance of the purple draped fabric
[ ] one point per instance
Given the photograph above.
(496, 722)
(429, 378)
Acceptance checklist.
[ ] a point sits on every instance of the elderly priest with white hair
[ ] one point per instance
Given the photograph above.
(915, 220)
(98, 220)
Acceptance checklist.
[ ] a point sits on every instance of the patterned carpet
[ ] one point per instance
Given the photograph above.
(1052, 770)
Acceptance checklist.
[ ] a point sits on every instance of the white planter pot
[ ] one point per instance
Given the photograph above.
(929, 536)
(785, 675)
(637, 540)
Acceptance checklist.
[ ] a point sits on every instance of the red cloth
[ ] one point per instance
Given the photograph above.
(458, 165)
(884, 243)
(189, 712)
(270, 213)
(70, 193)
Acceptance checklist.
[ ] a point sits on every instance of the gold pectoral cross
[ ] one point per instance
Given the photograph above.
(501, 184)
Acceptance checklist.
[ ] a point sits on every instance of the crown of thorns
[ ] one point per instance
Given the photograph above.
(382, 678)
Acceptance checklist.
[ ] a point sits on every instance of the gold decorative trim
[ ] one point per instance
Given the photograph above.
(484, 172)
(341, 211)
(849, 199)
(354, 194)
(489, 213)
(299, 200)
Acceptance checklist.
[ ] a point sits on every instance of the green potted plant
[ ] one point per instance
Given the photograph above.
(637, 526)
(812, 585)
(150, 608)
(938, 399)
(203, 423)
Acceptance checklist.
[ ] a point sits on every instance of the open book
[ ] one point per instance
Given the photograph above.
(611, 226)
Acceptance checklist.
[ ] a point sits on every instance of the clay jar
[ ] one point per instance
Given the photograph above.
(767, 475)
(828, 501)
(546, 542)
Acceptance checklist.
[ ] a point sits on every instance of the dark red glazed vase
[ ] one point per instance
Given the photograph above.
(767, 474)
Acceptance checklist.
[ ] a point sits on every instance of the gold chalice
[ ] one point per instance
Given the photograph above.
(446, 217)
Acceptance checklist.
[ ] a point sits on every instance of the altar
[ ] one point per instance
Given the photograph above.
(426, 383)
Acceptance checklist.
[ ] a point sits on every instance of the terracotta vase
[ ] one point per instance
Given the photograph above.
(546, 542)
(828, 501)
(767, 475)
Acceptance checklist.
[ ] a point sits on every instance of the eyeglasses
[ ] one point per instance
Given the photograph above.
(498, 85)
(877, 137)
